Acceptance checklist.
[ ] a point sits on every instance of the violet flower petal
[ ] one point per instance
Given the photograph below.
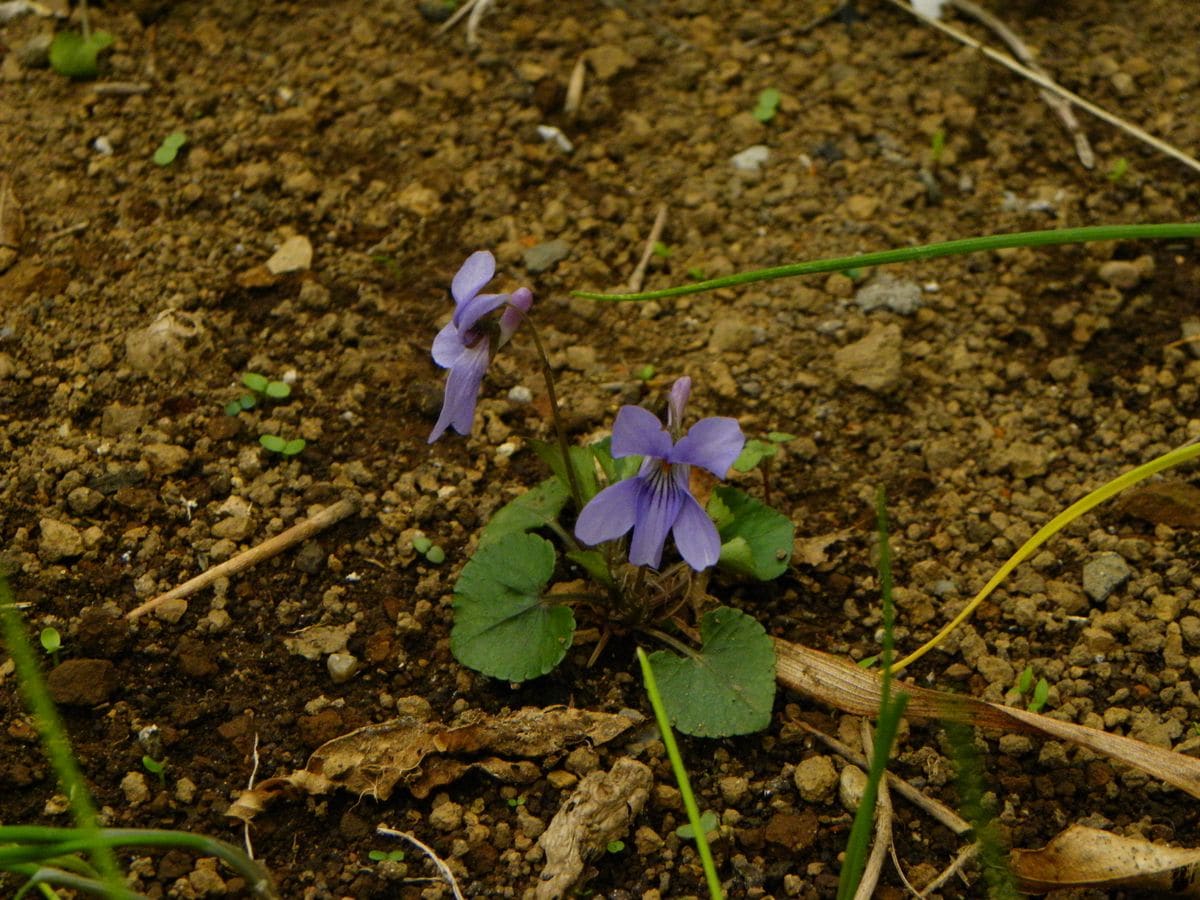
(518, 305)
(695, 535)
(638, 431)
(472, 275)
(680, 391)
(462, 391)
(712, 444)
(447, 346)
(471, 311)
(657, 507)
(610, 513)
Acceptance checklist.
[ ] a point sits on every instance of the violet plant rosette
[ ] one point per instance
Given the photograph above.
(657, 501)
(469, 341)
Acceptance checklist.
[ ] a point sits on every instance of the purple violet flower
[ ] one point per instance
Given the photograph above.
(658, 500)
(468, 343)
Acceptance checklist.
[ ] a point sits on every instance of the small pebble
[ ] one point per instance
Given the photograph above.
(1104, 574)
(752, 159)
(342, 667)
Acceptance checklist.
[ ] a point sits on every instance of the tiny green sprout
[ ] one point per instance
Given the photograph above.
(514, 802)
(708, 821)
(1041, 694)
(276, 444)
(386, 856)
(73, 55)
(644, 373)
(661, 250)
(697, 274)
(937, 145)
(169, 148)
(1025, 680)
(780, 437)
(615, 846)
(51, 641)
(767, 106)
(1119, 167)
(436, 555)
(155, 768)
(422, 544)
(754, 453)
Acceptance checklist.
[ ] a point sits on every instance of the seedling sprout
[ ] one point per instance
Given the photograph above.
(169, 148)
(156, 768)
(285, 448)
(51, 642)
(767, 106)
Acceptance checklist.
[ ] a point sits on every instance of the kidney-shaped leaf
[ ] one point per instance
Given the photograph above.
(729, 686)
(756, 541)
(536, 508)
(502, 627)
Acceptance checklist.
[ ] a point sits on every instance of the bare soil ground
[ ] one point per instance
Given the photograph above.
(134, 300)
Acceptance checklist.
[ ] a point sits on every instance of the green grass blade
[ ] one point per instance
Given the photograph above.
(681, 776)
(891, 711)
(53, 735)
(927, 251)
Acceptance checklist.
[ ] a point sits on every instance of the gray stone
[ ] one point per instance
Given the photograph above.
(546, 256)
(84, 500)
(342, 667)
(886, 291)
(166, 459)
(117, 420)
(58, 541)
(1104, 574)
(752, 159)
(815, 779)
(874, 362)
(731, 333)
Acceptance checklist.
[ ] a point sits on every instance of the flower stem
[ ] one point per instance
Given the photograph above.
(556, 416)
(928, 251)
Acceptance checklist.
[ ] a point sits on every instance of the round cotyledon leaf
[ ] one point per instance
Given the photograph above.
(728, 687)
(502, 626)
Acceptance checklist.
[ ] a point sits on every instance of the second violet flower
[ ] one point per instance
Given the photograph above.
(658, 500)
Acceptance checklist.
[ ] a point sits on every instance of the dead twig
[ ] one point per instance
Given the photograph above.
(639, 274)
(441, 866)
(1053, 87)
(1061, 107)
(575, 87)
(268, 548)
(934, 808)
(474, 9)
(965, 855)
(120, 88)
(250, 787)
(883, 824)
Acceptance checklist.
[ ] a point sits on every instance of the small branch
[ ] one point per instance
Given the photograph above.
(934, 808)
(1042, 81)
(441, 866)
(575, 88)
(253, 556)
(639, 274)
(883, 825)
(965, 855)
(250, 787)
(1060, 106)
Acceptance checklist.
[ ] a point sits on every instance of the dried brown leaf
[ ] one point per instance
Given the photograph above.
(372, 761)
(1083, 857)
(852, 689)
(1174, 503)
(600, 809)
(814, 551)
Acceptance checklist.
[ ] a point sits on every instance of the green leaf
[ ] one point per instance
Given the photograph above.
(614, 469)
(708, 821)
(581, 459)
(536, 508)
(780, 437)
(164, 155)
(436, 555)
(1025, 680)
(50, 639)
(175, 140)
(247, 401)
(294, 446)
(1041, 694)
(75, 57)
(768, 103)
(767, 533)
(729, 686)
(278, 390)
(753, 453)
(254, 381)
(502, 627)
(594, 564)
(273, 442)
(232, 408)
(421, 544)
